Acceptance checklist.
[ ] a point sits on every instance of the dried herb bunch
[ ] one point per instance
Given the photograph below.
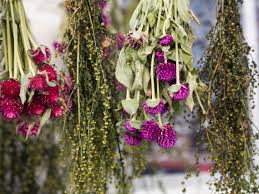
(96, 156)
(229, 131)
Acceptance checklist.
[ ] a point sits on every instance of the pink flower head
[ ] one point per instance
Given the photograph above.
(166, 71)
(136, 39)
(10, 88)
(69, 84)
(120, 39)
(160, 56)
(155, 110)
(128, 126)
(51, 72)
(132, 139)
(150, 130)
(57, 112)
(59, 47)
(35, 129)
(38, 82)
(182, 94)
(11, 108)
(166, 40)
(106, 20)
(41, 55)
(51, 96)
(106, 52)
(23, 129)
(35, 108)
(167, 137)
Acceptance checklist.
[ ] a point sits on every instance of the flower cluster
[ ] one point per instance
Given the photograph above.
(37, 97)
(150, 131)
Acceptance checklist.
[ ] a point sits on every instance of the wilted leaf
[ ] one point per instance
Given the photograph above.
(130, 106)
(136, 124)
(152, 103)
(174, 88)
(183, 10)
(24, 86)
(138, 81)
(190, 102)
(45, 117)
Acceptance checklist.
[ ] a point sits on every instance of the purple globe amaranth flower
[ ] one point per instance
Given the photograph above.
(11, 108)
(157, 109)
(106, 20)
(166, 71)
(24, 127)
(150, 130)
(10, 88)
(136, 39)
(120, 39)
(167, 137)
(128, 126)
(166, 40)
(132, 138)
(182, 94)
(160, 56)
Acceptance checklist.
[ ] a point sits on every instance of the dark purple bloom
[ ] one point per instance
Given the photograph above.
(150, 130)
(128, 126)
(59, 47)
(106, 20)
(167, 137)
(182, 94)
(166, 71)
(41, 55)
(120, 38)
(10, 88)
(160, 56)
(132, 138)
(11, 108)
(157, 109)
(166, 40)
(106, 53)
(24, 127)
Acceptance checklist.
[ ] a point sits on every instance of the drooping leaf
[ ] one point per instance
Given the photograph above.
(24, 87)
(130, 106)
(123, 71)
(45, 117)
(136, 124)
(134, 18)
(174, 88)
(138, 81)
(183, 10)
(190, 102)
(152, 103)
(146, 79)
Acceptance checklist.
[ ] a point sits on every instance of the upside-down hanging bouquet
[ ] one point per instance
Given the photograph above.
(156, 68)
(32, 90)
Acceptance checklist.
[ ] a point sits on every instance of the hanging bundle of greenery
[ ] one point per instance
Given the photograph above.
(228, 128)
(155, 66)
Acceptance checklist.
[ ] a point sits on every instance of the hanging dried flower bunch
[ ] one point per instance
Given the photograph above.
(31, 90)
(228, 130)
(155, 66)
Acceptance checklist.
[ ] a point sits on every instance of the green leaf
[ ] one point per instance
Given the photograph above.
(130, 106)
(138, 81)
(176, 106)
(165, 49)
(151, 18)
(136, 124)
(183, 10)
(190, 102)
(149, 49)
(174, 88)
(30, 96)
(123, 71)
(166, 95)
(146, 79)
(134, 18)
(45, 117)
(152, 103)
(24, 87)
(52, 83)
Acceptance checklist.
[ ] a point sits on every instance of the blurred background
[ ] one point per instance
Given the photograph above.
(46, 17)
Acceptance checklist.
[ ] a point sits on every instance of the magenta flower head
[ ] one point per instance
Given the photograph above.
(38, 82)
(150, 130)
(136, 39)
(57, 112)
(35, 129)
(51, 96)
(166, 40)
(160, 108)
(59, 47)
(41, 55)
(127, 125)
(10, 88)
(23, 129)
(132, 139)
(51, 72)
(11, 108)
(160, 56)
(120, 39)
(182, 94)
(35, 108)
(166, 71)
(106, 20)
(167, 137)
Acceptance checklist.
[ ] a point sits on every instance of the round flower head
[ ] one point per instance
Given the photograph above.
(59, 47)
(106, 20)
(160, 56)
(38, 82)
(51, 72)
(23, 129)
(132, 139)
(41, 55)
(35, 108)
(35, 129)
(150, 130)
(167, 137)
(136, 39)
(57, 112)
(128, 126)
(166, 40)
(51, 96)
(166, 71)
(182, 94)
(10, 88)
(11, 108)
(157, 109)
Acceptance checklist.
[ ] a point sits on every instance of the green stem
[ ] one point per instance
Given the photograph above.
(159, 19)
(77, 81)
(145, 16)
(177, 48)
(9, 45)
(152, 76)
(15, 40)
(160, 120)
(5, 47)
(128, 94)
(199, 101)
